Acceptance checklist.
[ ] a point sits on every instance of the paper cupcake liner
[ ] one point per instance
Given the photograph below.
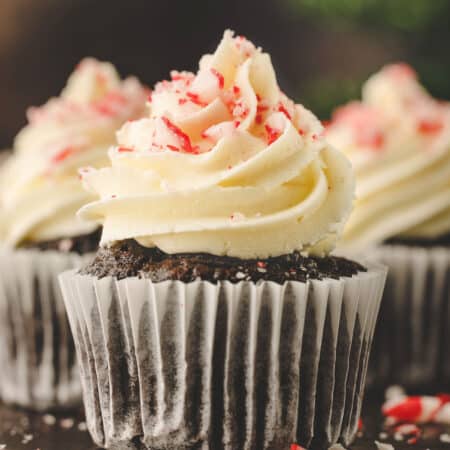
(411, 344)
(228, 366)
(37, 357)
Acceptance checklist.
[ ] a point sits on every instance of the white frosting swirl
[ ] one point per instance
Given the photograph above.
(40, 188)
(398, 139)
(224, 164)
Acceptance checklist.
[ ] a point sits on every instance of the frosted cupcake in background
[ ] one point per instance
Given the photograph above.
(398, 139)
(40, 192)
(205, 320)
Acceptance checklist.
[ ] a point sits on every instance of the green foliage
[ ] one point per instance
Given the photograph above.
(323, 94)
(418, 30)
(407, 15)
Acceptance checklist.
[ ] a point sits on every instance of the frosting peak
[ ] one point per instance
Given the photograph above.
(398, 139)
(224, 163)
(40, 190)
(91, 82)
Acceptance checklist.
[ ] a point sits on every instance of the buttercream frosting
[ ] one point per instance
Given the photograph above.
(224, 163)
(40, 188)
(398, 139)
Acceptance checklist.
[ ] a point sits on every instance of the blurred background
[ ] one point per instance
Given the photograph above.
(322, 49)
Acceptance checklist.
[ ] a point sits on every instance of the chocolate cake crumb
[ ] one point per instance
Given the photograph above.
(443, 241)
(129, 259)
(86, 243)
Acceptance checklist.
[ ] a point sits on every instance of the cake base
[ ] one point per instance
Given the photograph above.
(129, 259)
(82, 244)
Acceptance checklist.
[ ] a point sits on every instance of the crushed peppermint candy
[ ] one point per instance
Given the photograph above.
(49, 419)
(27, 438)
(430, 127)
(65, 245)
(185, 141)
(408, 432)
(272, 134)
(394, 391)
(67, 423)
(237, 216)
(219, 76)
(283, 109)
(382, 446)
(418, 409)
(63, 154)
(82, 426)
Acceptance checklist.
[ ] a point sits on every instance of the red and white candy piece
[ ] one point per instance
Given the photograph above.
(407, 431)
(296, 447)
(419, 409)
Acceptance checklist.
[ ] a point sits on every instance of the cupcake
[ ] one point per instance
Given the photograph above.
(39, 195)
(398, 139)
(212, 315)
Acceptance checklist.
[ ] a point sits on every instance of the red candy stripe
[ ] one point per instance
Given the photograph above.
(63, 154)
(430, 126)
(272, 134)
(408, 410)
(416, 409)
(219, 76)
(283, 109)
(182, 137)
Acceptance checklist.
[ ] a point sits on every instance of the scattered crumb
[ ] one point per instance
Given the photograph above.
(383, 436)
(390, 421)
(394, 392)
(381, 446)
(407, 431)
(48, 419)
(2, 446)
(407, 428)
(65, 245)
(27, 438)
(67, 423)
(82, 426)
(445, 437)
(237, 216)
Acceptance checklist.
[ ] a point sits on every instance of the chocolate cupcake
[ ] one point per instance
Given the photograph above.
(41, 236)
(398, 139)
(212, 316)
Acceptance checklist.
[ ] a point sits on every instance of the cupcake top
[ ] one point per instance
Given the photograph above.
(223, 164)
(398, 139)
(40, 188)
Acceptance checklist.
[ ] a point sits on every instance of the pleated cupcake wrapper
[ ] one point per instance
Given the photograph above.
(228, 366)
(37, 356)
(412, 339)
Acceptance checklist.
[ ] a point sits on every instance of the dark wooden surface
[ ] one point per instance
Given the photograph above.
(24, 431)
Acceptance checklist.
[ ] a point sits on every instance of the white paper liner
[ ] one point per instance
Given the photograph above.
(412, 338)
(37, 358)
(226, 366)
